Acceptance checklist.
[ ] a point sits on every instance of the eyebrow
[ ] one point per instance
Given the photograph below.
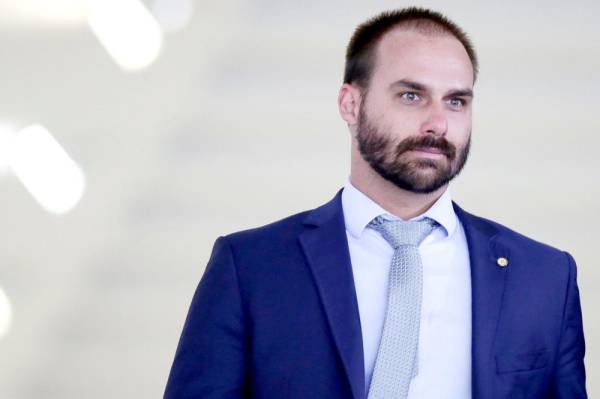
(421, 87)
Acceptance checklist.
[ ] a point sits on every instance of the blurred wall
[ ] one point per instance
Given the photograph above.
(236, 125)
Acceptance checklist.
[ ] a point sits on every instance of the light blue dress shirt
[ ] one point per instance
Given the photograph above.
(445, 330)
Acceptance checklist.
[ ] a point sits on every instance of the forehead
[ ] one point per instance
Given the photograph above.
(437, 60)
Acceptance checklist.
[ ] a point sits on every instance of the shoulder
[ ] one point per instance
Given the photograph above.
(286, 230)
(262, 253)
(277, 232)
(511, 242)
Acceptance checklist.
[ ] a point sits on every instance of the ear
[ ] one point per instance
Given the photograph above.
(349, 103)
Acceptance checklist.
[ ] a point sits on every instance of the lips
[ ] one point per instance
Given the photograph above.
(429, 150)
(427, 146)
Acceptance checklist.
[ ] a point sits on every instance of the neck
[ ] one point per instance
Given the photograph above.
(401, 203)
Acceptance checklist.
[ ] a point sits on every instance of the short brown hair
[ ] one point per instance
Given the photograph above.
(360, 53)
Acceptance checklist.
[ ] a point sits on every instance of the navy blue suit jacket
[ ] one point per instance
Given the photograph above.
(275, 316)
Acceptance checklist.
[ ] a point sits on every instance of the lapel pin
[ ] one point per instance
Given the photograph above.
(502, 262)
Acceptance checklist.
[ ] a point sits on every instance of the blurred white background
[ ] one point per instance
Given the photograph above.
(156, 126)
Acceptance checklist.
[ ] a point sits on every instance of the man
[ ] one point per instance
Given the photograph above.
(390, 290)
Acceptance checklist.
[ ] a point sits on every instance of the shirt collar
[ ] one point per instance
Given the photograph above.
(360, 210)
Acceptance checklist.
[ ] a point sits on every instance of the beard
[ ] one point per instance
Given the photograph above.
(390, 161)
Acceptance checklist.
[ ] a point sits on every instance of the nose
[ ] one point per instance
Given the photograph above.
(436, 122)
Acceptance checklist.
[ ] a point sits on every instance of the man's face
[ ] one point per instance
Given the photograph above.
(414, 123)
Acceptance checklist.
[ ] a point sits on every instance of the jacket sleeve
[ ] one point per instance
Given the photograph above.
(569, 377)
(211, 358)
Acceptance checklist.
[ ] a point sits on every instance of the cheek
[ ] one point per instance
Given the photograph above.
(459, 126)
(395, 123)
(403, 123)
(405, 126)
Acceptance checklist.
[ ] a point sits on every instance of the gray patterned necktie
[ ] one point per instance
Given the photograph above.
(396, 362)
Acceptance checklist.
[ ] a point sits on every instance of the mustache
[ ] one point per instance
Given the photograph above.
(427, 141)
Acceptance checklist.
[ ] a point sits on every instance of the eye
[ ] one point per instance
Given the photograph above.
(457, 102)
(410, 97)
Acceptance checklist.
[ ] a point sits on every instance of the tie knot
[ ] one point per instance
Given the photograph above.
(399, 232)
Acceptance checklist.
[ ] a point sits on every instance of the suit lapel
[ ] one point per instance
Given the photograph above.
(487, 288)
(326, 249)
